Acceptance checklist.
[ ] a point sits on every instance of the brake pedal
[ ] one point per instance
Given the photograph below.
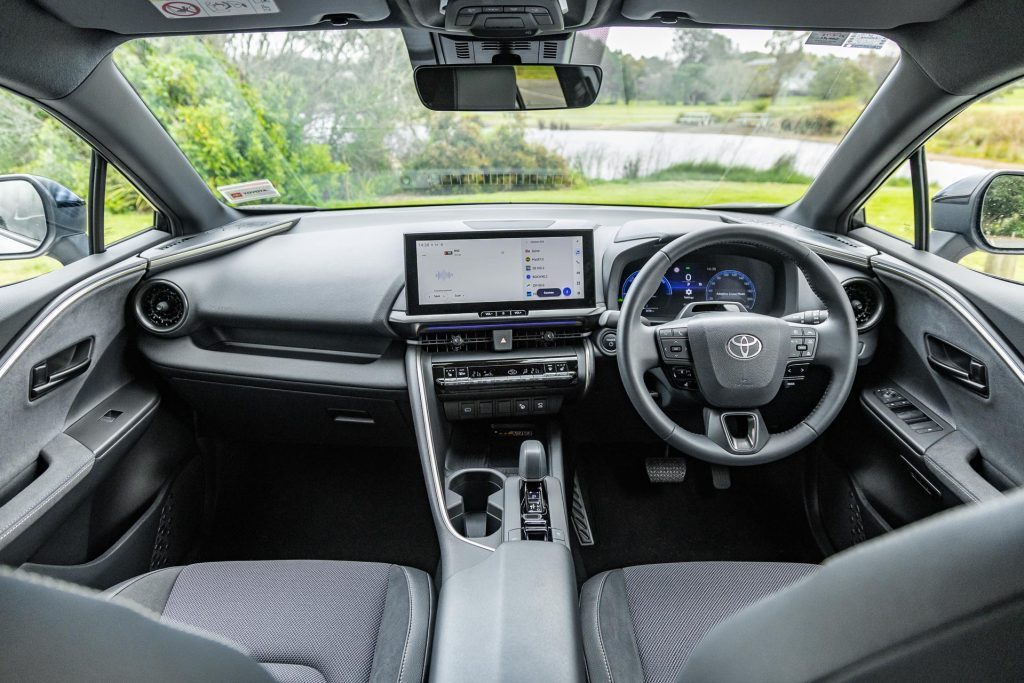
(666, 470)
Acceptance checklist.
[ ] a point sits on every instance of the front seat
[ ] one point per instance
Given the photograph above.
(301, 621)
(941, 600)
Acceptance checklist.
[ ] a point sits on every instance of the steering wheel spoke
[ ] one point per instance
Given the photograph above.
(739, 432)
(645, 353)
(833, 344)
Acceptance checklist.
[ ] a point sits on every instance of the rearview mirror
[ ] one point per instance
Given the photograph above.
(983, 212)
(507, 87)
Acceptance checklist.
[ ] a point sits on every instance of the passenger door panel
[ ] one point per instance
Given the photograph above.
(88, 453)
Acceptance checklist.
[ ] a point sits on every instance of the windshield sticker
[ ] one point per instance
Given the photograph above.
(865, 40)
(197, 9)
(844, 39)
(248, 192)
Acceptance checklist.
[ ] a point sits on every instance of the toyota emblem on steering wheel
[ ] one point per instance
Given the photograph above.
(743, 346)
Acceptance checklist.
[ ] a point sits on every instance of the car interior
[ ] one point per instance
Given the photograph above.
(339, 413)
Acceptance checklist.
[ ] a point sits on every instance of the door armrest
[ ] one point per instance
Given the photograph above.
(67, 462)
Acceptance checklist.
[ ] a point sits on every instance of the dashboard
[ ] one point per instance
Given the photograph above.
(711, 277)
(350, 292)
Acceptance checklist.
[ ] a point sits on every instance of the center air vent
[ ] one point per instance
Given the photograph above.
(160, 306)
(866, 298)
(483, 340)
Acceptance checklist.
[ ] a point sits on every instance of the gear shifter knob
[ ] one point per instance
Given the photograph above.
(533, 461)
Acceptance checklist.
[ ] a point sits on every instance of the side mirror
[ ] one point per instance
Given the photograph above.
(38, 217)
(983, 212)
(521, 87)
(1001, 221)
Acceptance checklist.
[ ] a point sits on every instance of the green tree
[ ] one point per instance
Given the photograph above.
(700, 46)
(837, 78)
(787, 50)
(459, 144)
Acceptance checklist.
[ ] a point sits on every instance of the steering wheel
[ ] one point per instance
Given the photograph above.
(734, 359)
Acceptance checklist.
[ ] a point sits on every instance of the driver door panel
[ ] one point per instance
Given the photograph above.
(954, 443)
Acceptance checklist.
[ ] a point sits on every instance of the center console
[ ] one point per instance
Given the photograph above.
(498, 324)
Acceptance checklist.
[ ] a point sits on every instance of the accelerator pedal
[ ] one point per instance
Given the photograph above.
(667, 469)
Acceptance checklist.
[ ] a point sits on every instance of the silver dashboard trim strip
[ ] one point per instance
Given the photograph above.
(439, 498)
(76, 294)
(964, 308)
(240, 240)
(838, 254)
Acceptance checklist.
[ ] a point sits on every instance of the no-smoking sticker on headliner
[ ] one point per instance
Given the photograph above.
(196, 9)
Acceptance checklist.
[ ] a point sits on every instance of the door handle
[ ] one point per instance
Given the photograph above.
(957, 364)
(60, 368)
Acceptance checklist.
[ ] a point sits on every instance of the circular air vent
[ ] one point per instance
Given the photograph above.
(160, 306)
(866, 298)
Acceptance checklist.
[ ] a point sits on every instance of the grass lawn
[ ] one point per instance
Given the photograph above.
(692, 193)
(117, 226)
(891, 208)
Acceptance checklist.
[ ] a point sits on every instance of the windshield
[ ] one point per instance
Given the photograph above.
(685, 118)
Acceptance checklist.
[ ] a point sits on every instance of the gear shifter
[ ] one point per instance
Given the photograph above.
(533, 467)
(533, 461)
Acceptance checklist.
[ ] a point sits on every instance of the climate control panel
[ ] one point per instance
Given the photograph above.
(458, 376)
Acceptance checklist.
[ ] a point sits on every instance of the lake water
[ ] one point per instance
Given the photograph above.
(612, 154)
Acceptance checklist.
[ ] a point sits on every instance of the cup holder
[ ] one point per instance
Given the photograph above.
(474, 514)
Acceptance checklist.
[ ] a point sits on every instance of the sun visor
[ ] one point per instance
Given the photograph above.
(825, 14)
(132, 17)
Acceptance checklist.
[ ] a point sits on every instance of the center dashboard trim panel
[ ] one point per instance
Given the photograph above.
(420, 401)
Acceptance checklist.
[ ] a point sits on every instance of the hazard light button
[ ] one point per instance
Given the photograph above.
(502, 340)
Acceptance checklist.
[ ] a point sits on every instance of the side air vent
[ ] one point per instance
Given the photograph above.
(174, 243)
(160, 306)
(462, 50)
(841, 240)
(867, 301)
(550, 50)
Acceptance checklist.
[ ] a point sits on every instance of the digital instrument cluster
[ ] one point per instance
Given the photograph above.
(733, 279)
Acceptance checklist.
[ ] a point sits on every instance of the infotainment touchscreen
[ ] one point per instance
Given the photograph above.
(466, 272)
